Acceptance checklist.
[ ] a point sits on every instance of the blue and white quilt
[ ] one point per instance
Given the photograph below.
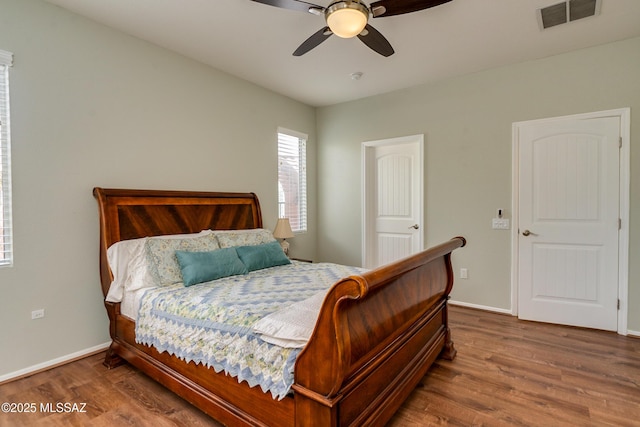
(211, 323)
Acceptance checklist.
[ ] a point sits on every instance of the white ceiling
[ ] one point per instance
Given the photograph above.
(255, 41)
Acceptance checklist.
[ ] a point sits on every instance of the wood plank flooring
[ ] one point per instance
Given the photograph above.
(507, 373)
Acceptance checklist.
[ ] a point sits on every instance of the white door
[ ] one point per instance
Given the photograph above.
(392, 199)
(569, 178)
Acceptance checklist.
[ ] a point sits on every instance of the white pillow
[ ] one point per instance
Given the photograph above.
(119, 256)
(128, 263)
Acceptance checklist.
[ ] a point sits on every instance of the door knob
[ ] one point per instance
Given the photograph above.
(415, 226)
(526, 233)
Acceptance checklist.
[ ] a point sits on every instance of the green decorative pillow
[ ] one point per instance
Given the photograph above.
(262, 256)
(198, 267)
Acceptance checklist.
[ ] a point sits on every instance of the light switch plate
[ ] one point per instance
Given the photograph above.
(500, 224)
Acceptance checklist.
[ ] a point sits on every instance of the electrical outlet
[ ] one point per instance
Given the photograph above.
(464, 273)
(500, 224)
(37, 314)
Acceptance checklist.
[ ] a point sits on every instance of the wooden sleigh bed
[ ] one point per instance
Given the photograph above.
(376, 336)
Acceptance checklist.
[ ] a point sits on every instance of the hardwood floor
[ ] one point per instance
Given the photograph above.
(511, 372)
(507, 373)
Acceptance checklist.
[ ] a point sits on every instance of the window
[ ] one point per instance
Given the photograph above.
(292, 178)
(6, 244)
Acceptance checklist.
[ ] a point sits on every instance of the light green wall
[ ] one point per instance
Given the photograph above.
(93, 107)
(467, 124)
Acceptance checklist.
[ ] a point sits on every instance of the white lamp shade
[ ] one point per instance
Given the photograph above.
(283, 229)
(347, 18)
(347, 23)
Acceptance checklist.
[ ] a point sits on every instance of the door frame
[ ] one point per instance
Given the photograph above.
(367, 148)
(624, 114)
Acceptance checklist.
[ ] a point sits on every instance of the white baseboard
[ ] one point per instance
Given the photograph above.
(53, 363)
(635, 334)
(481, 307)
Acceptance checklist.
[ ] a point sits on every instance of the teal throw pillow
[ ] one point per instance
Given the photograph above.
(262, 256)
(198, 267)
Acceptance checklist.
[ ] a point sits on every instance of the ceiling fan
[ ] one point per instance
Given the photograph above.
(349, 18)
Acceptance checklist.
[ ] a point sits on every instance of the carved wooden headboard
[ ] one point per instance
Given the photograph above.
(129, 214)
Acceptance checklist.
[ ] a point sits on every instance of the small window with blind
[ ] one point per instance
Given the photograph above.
(292, 178)
(6, 244)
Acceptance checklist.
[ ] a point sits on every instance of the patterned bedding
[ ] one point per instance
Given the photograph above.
(211, 323)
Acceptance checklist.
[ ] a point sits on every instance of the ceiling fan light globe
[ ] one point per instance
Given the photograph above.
(347, 19)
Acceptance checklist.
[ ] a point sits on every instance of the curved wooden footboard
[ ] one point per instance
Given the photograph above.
(376, 336)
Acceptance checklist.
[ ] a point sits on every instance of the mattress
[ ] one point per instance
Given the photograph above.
(212, 323)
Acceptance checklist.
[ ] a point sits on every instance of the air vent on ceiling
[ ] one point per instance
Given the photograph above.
(568, 11)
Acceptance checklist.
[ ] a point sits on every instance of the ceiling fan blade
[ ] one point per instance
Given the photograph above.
(376, 41)
(313, 41)
(398, 7)
(293, 5)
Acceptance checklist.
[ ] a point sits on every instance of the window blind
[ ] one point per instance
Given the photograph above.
(6, 235)
(292, 178)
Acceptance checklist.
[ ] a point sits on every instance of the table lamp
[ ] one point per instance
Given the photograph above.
(283, 231)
